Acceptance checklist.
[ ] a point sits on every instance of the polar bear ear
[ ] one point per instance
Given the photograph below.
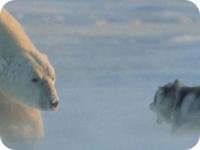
(42, 54)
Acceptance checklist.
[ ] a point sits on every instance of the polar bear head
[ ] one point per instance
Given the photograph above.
(30, 78)
(25, 73)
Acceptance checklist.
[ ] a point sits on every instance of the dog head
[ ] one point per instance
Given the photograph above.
(165, 101)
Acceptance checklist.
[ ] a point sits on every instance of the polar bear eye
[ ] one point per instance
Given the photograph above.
(35, 80)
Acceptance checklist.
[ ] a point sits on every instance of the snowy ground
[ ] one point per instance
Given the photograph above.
(110, 57)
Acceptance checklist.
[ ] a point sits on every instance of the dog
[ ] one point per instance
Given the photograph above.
(177, 104)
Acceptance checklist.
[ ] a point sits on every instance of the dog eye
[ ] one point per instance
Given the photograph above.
(34, 80)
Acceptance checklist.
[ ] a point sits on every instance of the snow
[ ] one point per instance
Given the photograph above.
(110, 57)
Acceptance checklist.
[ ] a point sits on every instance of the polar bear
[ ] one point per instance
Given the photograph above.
(27, 85)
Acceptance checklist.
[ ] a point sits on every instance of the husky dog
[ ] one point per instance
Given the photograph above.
(177, 104)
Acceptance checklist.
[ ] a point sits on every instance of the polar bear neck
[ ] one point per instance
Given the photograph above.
(12, 36)
(15, 44)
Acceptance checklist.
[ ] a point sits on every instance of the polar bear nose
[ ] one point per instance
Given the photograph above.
(54, 104)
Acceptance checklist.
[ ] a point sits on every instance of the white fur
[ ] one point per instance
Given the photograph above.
(20, 62)
(20, 98)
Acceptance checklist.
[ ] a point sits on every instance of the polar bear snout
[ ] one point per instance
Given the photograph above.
(54, 104)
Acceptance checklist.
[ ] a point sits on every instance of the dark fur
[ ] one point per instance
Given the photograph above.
(171, 100)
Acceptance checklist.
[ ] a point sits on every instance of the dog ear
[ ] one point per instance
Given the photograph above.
(176, 84)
